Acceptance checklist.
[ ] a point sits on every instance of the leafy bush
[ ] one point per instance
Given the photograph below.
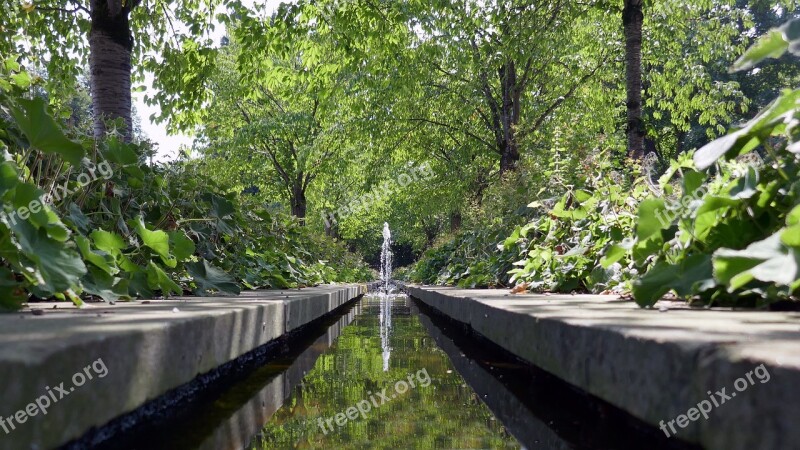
(738, 243)
(561, 249)
(91, 218)
(731, 236)
(469, 259)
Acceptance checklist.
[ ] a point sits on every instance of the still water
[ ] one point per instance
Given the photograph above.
(375, 372)
(387, 373)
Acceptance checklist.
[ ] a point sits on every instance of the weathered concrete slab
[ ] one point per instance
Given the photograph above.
(657, 363)
(113, 359)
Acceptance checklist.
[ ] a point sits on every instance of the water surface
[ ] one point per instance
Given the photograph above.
(442, 411)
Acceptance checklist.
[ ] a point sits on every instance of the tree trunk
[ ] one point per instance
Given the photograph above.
(632, 19)
(455, 221)
(110, 46)
(509, 116)
(298, 199)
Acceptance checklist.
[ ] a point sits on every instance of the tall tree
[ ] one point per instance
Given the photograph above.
(278, 110)
(110, 48)
(632, 20)
(119, 39)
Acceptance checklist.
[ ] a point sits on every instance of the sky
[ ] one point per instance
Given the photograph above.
(168, 145)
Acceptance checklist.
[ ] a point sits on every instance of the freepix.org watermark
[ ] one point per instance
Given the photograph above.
(59, 192)
(387, 188)
(715, 400)
(53, 395)
(375, 400)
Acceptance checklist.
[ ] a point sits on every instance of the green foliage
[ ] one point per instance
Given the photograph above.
(101, 222)
(737, 242)
(729, 237)
(562, 249)
(469, 259)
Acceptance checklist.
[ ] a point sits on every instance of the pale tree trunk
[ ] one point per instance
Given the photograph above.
(632, 19)
(110, 46)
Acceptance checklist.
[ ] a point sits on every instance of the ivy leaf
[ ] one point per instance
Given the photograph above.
(158, 279)
(615, 252)
(43, 132)
(221, 207)
(692, 275)
(771, 45)
(12, 296)
(78, 218)
(60, 267)
(8, 177)
(157, 240)
(183, 247)
(105, 286)
(653, 217)
(768, 260)
(110, 243)
(101, 259)
(208, 277)
(747, 138)
(746, 186)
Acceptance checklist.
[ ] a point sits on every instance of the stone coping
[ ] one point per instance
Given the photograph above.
(658, 364)
(87, 366)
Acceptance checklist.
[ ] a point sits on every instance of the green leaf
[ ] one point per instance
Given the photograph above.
(208, 277)
(158, 279)
(100, 259)
(221, 206)
(653, 217)
(740, 141)
(771, 45)
(183, 247)
(614, 253)
(43, 132)
(768, 260)
(8, 177)
(108, 242)
(793, 218)
(60, 267)
(117, 151)
(12, 296)
(157, 240)
(692, 180)
(648, 289)
(691, 276)
(791, 236)
(29, 205)
(105, 286)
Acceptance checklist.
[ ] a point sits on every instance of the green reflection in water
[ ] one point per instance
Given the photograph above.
(446, 414)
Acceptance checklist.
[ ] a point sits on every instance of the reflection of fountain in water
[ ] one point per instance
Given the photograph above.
(386, 327)
(386, 295)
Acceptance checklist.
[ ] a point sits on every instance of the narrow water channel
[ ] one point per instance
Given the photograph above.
(386, 373)
(375, 372)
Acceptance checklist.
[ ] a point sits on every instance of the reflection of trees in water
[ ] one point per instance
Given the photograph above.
(446, 414)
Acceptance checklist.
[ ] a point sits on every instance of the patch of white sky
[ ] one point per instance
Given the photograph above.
(169, 145)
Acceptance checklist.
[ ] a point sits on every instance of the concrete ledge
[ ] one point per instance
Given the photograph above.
(145, 350)
(656, 363)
